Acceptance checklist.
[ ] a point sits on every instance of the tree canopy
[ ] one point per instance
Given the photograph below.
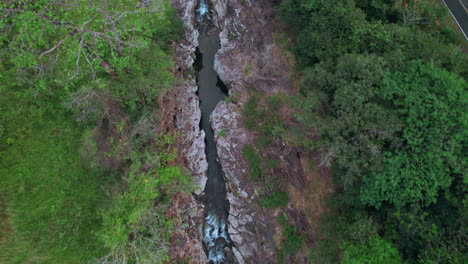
(383, 87)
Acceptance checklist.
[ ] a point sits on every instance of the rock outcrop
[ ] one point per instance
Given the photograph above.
(183, 102)
(250, 228)
(248, 59)
(181, 116)
(249, 56)
(191, 140)
(185, 49)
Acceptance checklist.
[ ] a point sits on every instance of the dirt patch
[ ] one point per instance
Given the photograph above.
(310, 200)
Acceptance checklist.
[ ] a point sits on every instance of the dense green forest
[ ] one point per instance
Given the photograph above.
(383, 99)
(84, 175)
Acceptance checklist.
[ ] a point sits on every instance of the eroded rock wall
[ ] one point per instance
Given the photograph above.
(181, 116)
(250, 228)
(249, 58)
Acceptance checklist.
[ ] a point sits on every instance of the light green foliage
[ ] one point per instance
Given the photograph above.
(222, 133)
(133, 229)
(51, 196)
(138, 87)
(376, 250)
(96, 189)
(75, 31)
(59, 47)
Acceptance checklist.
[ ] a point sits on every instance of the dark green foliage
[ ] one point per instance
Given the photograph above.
(264, 118)
(291, 242)
(449, 36)
(385, 10)
(382, 88)
(253, 159)
(327, 30)
(357, 124)
(431, 103)
(275, 200)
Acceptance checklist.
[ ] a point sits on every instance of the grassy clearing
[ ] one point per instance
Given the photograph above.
(52, 197)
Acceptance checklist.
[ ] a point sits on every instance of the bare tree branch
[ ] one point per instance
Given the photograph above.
(51, 49)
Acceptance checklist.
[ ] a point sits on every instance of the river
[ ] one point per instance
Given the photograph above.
(210, 92)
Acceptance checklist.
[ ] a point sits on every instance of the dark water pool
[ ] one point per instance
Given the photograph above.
(210, 92)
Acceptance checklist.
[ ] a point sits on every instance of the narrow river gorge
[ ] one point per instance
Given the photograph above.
(210, 92)
(222, 222)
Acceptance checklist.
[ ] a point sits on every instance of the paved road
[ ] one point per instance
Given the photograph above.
(459, 11)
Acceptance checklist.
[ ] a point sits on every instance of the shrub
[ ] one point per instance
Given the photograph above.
(222, 133)
(291, 244)
(253, 160)
(282, 219)
(376, 251)
(271, 163)
(277, 199)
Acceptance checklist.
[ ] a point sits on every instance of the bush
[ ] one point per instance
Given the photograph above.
(277, 199)
(291, 244)
(376, 250)
(253, 160)
(264, 119)
(282, 219)
(222, 133)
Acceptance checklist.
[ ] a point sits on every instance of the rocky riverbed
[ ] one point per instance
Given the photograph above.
(248, 59)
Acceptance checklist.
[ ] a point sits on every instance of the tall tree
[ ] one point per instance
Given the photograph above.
(432, 103)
